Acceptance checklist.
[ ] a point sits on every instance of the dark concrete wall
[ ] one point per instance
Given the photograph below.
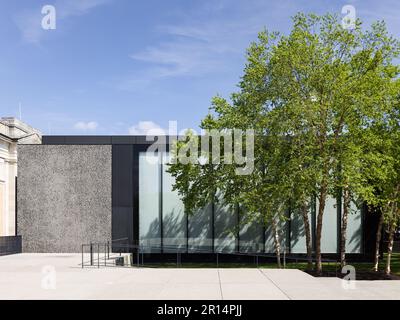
(64, 196)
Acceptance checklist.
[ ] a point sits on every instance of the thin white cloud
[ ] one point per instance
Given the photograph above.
(177, 59)
(214, 37)
(204, 42)
(86, 126)
(148, 128)
(67, 8)
(193, 51)
(29, 21)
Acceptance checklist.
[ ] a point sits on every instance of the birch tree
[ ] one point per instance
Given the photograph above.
(311, 97)
(333, 82)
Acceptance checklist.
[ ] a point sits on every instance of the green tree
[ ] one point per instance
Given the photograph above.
(381, 171)
(311, 97)
(333, 81)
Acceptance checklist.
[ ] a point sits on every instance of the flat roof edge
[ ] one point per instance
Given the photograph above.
(98, 140)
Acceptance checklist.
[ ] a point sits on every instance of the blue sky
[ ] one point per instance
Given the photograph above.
(122, 66)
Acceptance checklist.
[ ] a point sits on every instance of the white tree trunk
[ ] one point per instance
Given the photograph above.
(378, 243)
(392, 228)
(394, 217)
(320, 216)
(276, 242)
(343, 231)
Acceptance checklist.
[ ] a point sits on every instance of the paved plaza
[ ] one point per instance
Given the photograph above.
(60, 276)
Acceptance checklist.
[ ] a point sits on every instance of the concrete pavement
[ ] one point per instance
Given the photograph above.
(59, 276)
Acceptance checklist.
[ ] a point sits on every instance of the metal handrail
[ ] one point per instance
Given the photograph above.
(140, 251)
(121, 239)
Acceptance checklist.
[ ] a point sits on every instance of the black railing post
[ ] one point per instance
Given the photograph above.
(91, 254)
(284, 258)
(105, 254)
(108, 249)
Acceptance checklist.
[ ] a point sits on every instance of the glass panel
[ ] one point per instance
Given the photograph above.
(149, 215)
(269, 237)
(251, 238)
(298, 235)
(354, 232)
(174, 218)
(329, 227)
(200, 230)
(225, 228)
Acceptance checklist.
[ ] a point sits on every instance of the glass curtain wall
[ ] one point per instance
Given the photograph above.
(165, 227)
(297, 231)
(149, 202)
(200, 230)
(329, 239)
(225, 226)
(354, 230)
(251, 237)
(174, 222)
(162, 220)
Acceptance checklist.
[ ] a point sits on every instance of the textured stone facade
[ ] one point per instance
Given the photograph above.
(64, 196)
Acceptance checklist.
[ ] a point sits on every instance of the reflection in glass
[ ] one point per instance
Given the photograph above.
(200, 230)
(149, 206)
(173, 211)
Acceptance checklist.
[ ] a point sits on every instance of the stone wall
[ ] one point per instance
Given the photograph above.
(64, 196)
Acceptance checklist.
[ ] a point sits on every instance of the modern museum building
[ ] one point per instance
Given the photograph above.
(73, 190)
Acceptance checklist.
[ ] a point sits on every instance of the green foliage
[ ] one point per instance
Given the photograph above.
(324, 104)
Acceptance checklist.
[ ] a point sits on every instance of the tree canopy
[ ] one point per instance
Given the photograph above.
(323, 104)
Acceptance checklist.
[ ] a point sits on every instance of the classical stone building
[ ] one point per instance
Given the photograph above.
(12, 133)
